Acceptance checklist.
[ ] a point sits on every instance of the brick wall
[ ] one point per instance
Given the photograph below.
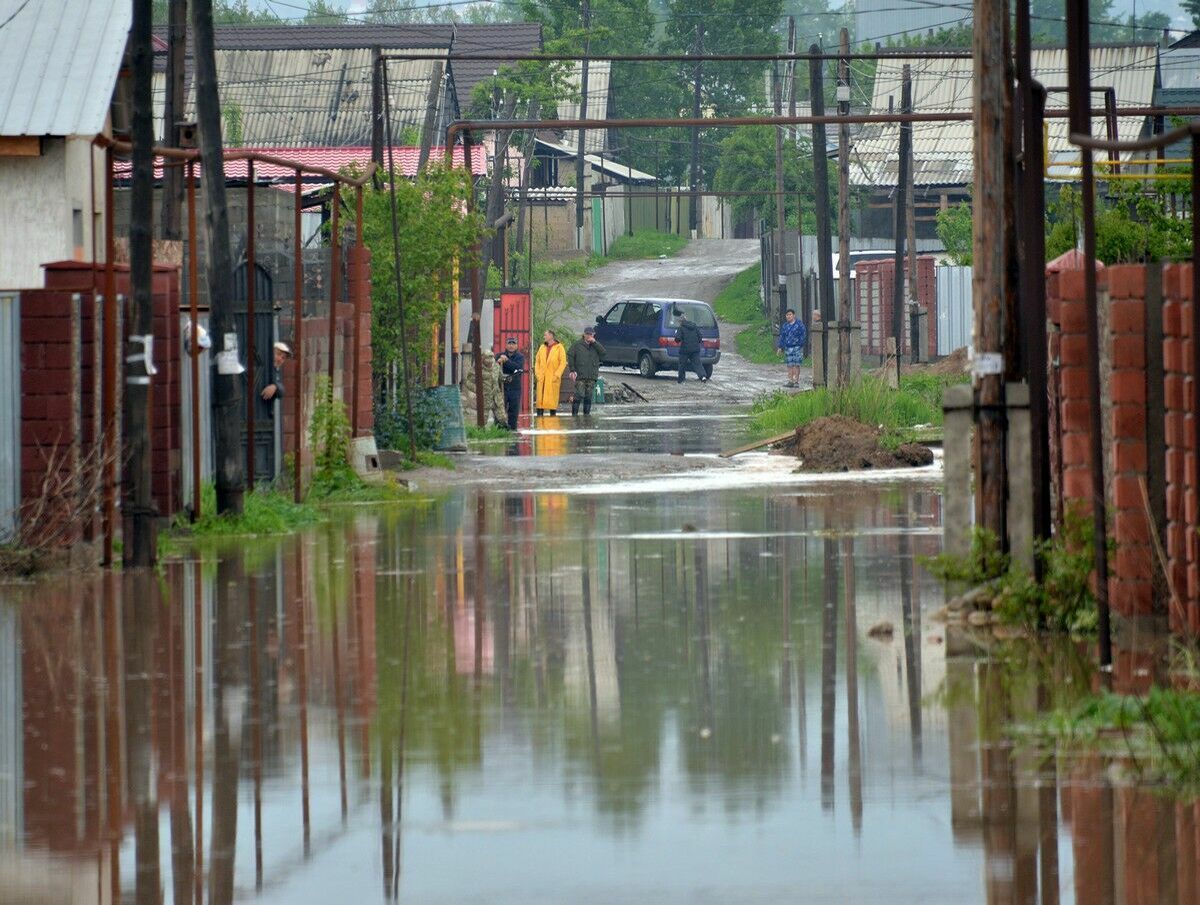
(1137, 449)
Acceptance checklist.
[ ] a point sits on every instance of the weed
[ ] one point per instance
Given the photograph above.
(264, 512)
(644, 244)
(490, 433)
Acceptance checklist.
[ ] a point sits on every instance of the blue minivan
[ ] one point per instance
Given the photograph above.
(640, 333)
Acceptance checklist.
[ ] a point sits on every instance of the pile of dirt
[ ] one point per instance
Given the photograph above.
(838, 443)
(953, 365)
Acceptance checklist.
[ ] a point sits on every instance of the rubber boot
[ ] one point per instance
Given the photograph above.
(575, 408)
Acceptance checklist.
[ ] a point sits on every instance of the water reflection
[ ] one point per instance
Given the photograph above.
(510, 698)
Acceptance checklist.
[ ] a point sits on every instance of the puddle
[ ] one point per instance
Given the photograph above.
(548, 697)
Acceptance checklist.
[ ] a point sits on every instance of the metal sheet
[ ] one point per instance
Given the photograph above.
(12, 732)
(10, 413)
(955, 311)
(61, 59)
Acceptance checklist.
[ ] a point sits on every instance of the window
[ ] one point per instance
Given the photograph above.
(635, 314)
(614, 313)
(700, 315)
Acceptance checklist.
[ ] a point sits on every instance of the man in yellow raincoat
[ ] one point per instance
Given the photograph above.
(548, 368)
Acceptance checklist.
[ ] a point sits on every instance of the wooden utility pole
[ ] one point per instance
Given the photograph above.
(429, 127)
(792, 86)
(910, 222)
(902, 180)
(377, 109)
(816, 76)
(844, 316)
(527, 174)
(138, 508)
(988, 283)
(694, 169)
(780, 210)
(227, 380)
(581, 145)
(173, 188)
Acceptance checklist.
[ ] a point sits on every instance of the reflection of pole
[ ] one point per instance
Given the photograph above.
(182, 845)
(853, 743)
(999, 792)
(387, 820)
(139, 624)
(338, 703)
(114, 707)
(480, 583)
(256, 726)
(198, 628)
(302, 682)
(912, 641)
(828, 671)
(228, 676)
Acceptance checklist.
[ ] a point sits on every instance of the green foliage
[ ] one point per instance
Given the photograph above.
(391, 422)
(1063, 603)
(868, 400)
(646, 243)
(740, 302)
(747, 164)
(757, 344)
(329, 440)
(1131, 226)
(1049, 24)
(1158, 734)
(264, 512)
(233, 124)
(489, 434)
(955, 229)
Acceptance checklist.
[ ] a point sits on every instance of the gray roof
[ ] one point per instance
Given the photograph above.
(61, 59)
(331, 37)
(496, 38)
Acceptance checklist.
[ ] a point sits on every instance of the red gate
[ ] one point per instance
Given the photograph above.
(513, 317)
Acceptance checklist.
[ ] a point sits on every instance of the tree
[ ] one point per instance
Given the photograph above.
(954, 228)
(324, 12)
(747, 164)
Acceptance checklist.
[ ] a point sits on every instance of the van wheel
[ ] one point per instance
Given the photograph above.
(708, 371)
(646, 366)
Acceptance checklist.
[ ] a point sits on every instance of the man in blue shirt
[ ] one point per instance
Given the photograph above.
(792, 336)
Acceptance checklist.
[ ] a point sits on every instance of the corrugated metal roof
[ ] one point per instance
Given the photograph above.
(331, 37)
(506, 37)
(407, 157)
(611, 168)
(1180, 68)
(315, 96)
(60, 64)
(943, 153)
(599, 76)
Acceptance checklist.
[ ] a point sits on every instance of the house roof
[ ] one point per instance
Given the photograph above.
(331, 37)
(608, 167)
(330, 158)
(943, 153)
(494, 38)
(61, 60)
(599, 80)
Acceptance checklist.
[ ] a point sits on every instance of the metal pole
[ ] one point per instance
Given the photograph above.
(901, 206)
(392, 173)
(845, 318)
(298, 339)
(109, 385)
(251, 332)
(694, 168)
(1079, 78)
(376, 107)
(194, 315)
(816, 75)
(173, 103)
(780, 199)
(581, 148)
(335, 280)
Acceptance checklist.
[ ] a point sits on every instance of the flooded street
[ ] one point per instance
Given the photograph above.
(531, 695)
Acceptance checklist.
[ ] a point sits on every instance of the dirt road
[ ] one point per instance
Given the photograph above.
(700, 271)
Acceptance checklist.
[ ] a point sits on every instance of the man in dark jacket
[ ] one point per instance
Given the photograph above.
(690, 343)
(512, 366)
(583, 364)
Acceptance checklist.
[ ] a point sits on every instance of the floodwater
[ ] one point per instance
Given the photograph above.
(543, 697)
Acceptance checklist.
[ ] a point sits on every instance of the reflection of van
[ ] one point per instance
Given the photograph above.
(641, 333)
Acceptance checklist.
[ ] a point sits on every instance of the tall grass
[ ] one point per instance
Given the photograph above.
(646, 243)
(870, 400)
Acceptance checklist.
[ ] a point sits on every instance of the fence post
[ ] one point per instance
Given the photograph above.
(958, 404)
(1020, 474)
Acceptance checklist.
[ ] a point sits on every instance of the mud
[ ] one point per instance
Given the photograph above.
(838, 443)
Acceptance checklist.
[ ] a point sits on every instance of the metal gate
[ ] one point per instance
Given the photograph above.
(10, 413)
(513, 315)
(266, 422)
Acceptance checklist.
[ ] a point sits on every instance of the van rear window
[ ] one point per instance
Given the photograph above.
(700, 315)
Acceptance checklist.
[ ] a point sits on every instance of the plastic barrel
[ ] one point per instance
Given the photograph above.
(447, 403)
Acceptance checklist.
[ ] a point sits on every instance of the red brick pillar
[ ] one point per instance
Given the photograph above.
(1074, 405)
(1177, 356)
(359, 280)
(1130, 581)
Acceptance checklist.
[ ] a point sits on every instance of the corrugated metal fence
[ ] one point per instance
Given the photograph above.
(955, 314)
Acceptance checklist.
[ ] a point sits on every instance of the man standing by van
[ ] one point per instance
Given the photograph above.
(583, 362)
(690, 343)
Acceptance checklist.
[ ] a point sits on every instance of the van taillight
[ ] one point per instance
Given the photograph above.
(712, 343)
(666, 342)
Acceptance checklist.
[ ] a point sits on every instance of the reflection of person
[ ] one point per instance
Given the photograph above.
(690, 343)
(548, 368)
(512, 366)
(584, 363)
(274, 387)
(792, 335)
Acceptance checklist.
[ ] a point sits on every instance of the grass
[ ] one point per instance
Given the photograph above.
(739, 303)
(870, 400)
(492, 433)
(644, 244)
(264, 512)
(427, 459)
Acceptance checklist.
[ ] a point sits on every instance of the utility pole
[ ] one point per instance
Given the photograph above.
(377, 109)
(431, 111)
(816, 78)
(694, 174)
(988, 283)
(792, 88)
(138, 507)
(780, 213)
(227, 383)
(172, 197)
(902, 179)
(845, 317)
(581, 147)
